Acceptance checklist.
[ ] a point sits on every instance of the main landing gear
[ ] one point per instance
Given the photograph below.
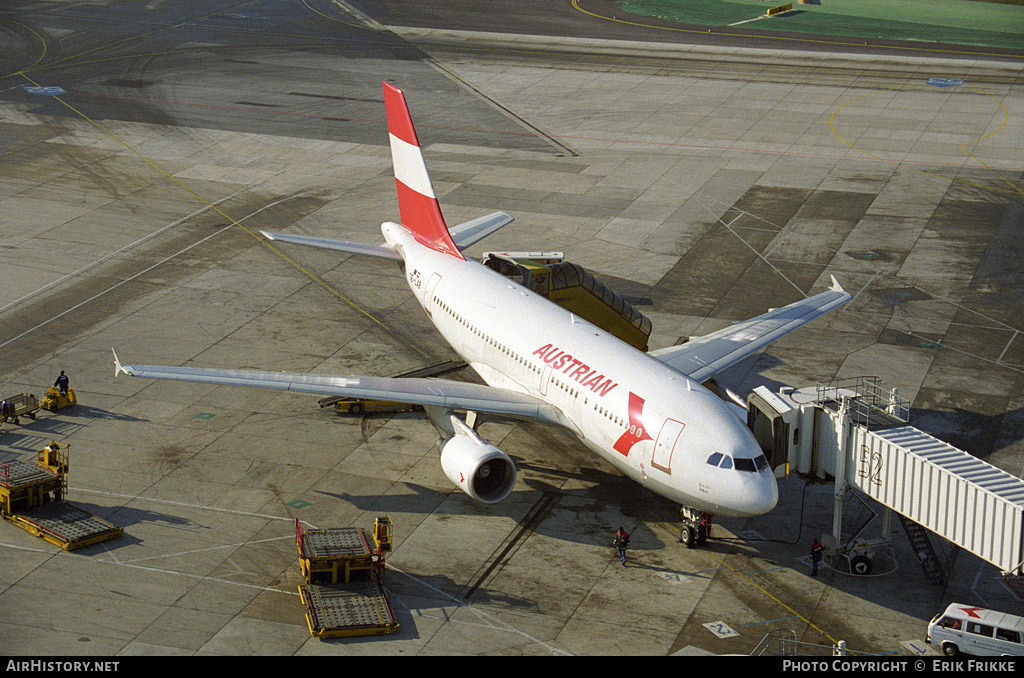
(696, 527)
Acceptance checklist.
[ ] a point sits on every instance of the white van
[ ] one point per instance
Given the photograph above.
(975, 630)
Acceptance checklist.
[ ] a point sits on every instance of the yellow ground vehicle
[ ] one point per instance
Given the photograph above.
(32, 497)
(55, 400)
(344, 580)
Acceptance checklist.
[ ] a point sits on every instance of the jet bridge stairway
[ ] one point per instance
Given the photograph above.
(574, 289)
(925, 550)
(855, 434)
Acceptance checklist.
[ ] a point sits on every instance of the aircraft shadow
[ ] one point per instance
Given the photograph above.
(435, 598)
(126, 516)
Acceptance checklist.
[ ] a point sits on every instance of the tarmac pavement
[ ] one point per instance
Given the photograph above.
(703, 184)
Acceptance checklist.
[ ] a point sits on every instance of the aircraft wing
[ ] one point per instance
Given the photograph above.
(704, 357)
(444, 393)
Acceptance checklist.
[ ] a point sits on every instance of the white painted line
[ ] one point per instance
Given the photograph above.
(87, 559)
(210, 548)
(490, 620)
(114, 253)
(747, 21)
(201, 507)
(140, 273)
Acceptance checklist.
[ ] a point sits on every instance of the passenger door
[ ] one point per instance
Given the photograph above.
(666, 443)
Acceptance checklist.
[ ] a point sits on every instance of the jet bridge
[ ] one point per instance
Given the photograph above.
(575, 289)
(856, 434)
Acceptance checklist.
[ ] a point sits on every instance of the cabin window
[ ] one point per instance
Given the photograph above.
(1006, 634)
(979, 629)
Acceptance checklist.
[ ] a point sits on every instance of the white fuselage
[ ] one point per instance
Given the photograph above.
(654, 424)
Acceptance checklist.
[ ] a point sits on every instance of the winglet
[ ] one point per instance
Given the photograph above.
(417, 203)
(118, 367)
(836, 287)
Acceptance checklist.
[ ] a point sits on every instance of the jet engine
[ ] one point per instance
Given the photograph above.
(477, 467)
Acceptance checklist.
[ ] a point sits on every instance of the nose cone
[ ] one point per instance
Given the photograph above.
(760, 494)
(751, 489)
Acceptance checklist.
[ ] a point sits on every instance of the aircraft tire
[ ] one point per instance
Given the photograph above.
(688, 536)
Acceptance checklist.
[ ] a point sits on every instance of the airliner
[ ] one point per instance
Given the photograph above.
(647, 414)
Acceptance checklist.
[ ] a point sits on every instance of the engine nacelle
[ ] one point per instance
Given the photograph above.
(478, 468)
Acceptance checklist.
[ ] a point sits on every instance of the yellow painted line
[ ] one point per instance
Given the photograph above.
(762, 36)
(42, 56)
(774, 598)
(168, 52)
(263, 241)
(1006, 119)
(131, 38)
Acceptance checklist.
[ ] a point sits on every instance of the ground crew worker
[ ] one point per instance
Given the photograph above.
(816, 551)
(622, 543)
(62, 383)
(703, 528)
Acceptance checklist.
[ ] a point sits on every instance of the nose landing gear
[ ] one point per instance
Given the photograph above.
(696, 527)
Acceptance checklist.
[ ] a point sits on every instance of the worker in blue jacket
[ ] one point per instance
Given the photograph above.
(62, 383)
(622, 543)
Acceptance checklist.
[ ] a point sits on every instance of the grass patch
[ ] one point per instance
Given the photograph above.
(956, 22)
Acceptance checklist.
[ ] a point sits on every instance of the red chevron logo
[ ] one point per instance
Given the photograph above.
(636, 431)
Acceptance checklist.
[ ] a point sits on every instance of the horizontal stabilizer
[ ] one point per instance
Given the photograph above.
(380, 251)
(474, 231)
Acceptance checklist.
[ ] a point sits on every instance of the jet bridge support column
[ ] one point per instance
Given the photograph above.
(840, 484)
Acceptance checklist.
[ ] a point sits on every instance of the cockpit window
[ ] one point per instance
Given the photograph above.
(725, 461)
(745, 464)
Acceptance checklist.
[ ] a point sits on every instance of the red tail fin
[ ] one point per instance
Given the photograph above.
(417, 204)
